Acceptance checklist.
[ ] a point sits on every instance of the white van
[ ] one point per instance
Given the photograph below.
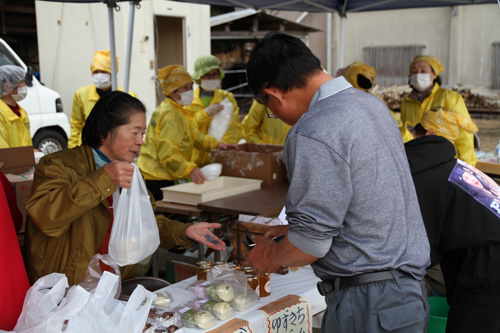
(50, 128)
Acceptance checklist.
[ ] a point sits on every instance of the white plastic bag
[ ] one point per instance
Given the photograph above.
(134, 234)
(220, 122)
(45, 308)
(97, 266)
(105, 314)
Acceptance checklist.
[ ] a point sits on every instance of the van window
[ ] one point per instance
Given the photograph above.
(5, 57)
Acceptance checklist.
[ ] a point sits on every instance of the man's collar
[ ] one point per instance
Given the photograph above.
(329, 88)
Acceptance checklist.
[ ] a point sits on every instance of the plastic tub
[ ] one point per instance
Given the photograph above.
(438, 314)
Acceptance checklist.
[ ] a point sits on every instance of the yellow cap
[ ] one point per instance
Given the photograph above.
(352, 71)
(447, 123)
(173, 77)
(102, 62)
(435, 64)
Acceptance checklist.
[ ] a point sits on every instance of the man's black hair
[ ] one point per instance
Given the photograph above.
(282, 61)
(112, 110)
(364, 82)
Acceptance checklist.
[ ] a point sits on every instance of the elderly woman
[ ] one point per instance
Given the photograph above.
(73, 190)
(427, 94)
(171, 137)
(206, 103)
(14, 121)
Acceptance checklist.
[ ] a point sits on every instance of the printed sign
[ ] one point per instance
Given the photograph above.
(289, 314)
(481, 187)
(235, 325)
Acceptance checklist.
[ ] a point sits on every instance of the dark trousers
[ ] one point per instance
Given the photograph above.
(154, 186)
(466, 316)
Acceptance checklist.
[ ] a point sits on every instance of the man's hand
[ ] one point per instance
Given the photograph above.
(201, 233)
(260, 257)
(120, 172)
(197, 176)
(276, 231)
(214, 109)
(226, 146)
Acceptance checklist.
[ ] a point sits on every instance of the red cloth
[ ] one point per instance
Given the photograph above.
(16, 109)
(13, 280)
(17, 217)
(105, 243)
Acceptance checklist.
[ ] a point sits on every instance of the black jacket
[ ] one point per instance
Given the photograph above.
(463, 234)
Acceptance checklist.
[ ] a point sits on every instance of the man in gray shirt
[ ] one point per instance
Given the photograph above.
(351, 206)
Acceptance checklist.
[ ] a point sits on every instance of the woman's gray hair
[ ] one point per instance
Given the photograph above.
(10, 76)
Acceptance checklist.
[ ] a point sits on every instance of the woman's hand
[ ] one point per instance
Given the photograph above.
(201, 233)
(120, 172)
(197, 176)
(214, 109)
(226, 146)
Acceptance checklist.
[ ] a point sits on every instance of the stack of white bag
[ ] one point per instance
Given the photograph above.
(47, 308)
(220, 122)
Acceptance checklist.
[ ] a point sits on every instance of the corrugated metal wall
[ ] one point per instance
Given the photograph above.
(391, 62)
(496, 66)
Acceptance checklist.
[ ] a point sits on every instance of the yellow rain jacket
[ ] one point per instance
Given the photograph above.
(259, 128)
(412, 112)
(234, 132)
(69, 216)
(83, 102)
(14, 130)
(170, 140)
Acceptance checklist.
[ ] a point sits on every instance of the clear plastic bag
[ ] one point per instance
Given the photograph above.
(45, 306)
(134, 235)
(220, 122)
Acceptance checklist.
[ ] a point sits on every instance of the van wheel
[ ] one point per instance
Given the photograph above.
(49, 141)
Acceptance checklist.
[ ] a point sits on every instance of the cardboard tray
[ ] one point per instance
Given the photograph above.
(221, 187)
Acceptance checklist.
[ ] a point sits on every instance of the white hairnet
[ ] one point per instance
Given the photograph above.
(10, 75)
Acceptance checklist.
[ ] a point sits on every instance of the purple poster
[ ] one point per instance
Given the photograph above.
(473, 181)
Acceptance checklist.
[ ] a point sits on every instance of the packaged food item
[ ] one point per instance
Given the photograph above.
(265, 285)
(160, 320)
(222, 310)
(163, 300)
(196, 318)
(242, 302)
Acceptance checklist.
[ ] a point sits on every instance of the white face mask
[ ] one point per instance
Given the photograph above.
(21, 93)
(209, 85)
(421, 82)
(186, 98)
(102, 80)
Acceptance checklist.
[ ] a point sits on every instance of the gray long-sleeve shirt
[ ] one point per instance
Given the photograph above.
(351, 201)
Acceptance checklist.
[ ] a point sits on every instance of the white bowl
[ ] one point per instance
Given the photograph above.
(212, 171)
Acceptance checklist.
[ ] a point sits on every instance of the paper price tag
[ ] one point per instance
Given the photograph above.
(289, 314)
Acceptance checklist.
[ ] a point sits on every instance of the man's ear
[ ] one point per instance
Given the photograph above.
(276, 93)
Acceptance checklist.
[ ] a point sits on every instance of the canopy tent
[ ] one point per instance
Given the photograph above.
(342, 7)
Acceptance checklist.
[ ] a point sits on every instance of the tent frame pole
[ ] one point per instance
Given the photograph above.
(129, 44)
(112, 45)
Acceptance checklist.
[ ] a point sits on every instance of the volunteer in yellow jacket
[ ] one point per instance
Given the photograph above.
(206, 103)
(14, 121)
(172, 136)
(70, 215)
(260, 127)
(362, 76)
(86, 97)
(428, 95)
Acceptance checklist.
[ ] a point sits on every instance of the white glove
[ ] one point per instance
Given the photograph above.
(213, 109)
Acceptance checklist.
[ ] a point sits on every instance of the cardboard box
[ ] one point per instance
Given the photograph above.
(253, 160)
(15, 161)
(240, 249)
(220, 187)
